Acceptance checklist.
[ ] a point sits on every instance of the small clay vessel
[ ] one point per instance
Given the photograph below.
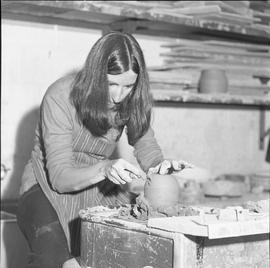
(213, 81)
(161, 190)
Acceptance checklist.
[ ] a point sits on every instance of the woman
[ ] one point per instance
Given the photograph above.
(82, 117)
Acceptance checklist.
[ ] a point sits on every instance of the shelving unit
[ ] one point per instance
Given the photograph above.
(140, 19)
(137, 18)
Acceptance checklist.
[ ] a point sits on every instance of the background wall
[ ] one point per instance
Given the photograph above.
(34, 55)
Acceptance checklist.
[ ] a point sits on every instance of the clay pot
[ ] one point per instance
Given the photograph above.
(213, 81)
(161, 190)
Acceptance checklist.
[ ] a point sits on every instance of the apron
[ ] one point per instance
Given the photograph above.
(88, 151)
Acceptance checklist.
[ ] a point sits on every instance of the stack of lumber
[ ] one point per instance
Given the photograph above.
(261, 10)
(225, 11)
(233, 13)
(247, 66)
(249, 13)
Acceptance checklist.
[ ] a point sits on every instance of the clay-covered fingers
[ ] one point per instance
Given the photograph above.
(121, 172)
(162, 168)
(115, 177)
(154, 170)
(168, 166)
(133, 171)
(181, 164)
(124, 175)
(165, 167)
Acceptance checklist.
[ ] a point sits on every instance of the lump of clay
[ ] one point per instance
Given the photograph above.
(161, 190)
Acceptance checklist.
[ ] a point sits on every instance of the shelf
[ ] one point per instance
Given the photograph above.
(121, 15)
(137, 19)
(180, 96)
(114, 15)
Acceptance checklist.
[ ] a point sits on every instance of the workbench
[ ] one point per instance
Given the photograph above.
(110, 242)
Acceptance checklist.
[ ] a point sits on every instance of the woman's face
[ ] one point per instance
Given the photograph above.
(120, 85)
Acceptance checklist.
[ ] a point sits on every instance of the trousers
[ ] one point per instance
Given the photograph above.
(40, 225)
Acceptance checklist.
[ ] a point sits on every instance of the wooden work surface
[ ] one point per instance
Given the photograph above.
(202, 225)
(130, 244)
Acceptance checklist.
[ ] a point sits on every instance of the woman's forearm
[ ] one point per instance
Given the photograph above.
(76, 179)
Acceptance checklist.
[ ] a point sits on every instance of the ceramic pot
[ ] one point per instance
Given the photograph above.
(213, 81)
(161, 190)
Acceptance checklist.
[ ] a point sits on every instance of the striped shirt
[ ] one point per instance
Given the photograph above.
(62, 142)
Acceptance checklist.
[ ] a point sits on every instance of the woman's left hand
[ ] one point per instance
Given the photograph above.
(168, 166)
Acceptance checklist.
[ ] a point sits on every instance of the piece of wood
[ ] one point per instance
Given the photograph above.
(162, 11)
(213, 229)
(192, 87)
(105, 245)
(222, 50)
(141, 4)
(217, 44)
(229, 8)
(229, 17)
(54, 8)
(263, 27)
(208, 57)
(179, 96)
(257, 58)
(184, 4)
(248, 69)
(183, 224)
(196, 10)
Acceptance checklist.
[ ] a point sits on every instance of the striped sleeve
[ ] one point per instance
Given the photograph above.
(147, 151)
(57, 128)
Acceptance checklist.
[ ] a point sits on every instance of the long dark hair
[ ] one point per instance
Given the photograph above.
(114, 53)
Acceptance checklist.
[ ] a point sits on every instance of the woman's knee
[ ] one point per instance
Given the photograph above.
(71, 263)
(49, 246)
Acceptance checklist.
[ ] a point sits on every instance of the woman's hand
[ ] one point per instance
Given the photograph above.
(169, 166)
(120, 171)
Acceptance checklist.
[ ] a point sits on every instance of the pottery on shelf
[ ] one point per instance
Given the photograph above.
(161, 190)
(213, 81)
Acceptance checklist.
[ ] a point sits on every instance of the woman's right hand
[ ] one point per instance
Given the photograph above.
(120, 171)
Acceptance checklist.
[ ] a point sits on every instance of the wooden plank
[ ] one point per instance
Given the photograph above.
(222, 50)
(141, 4)
(235, 229)
(209, 53)
(179, 96)
(69, 12)
(184, 4)
(229, 17)
(184, 225)
(59, 7)
(209, 57)
(193, 225)
(263, 27)
(238, 83)
(225, 6)
(247, 69)
(176, 87)
(236, 44)
(187, 10)
(217, 44)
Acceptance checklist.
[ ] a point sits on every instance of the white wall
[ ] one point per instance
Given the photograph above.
(34, 55)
